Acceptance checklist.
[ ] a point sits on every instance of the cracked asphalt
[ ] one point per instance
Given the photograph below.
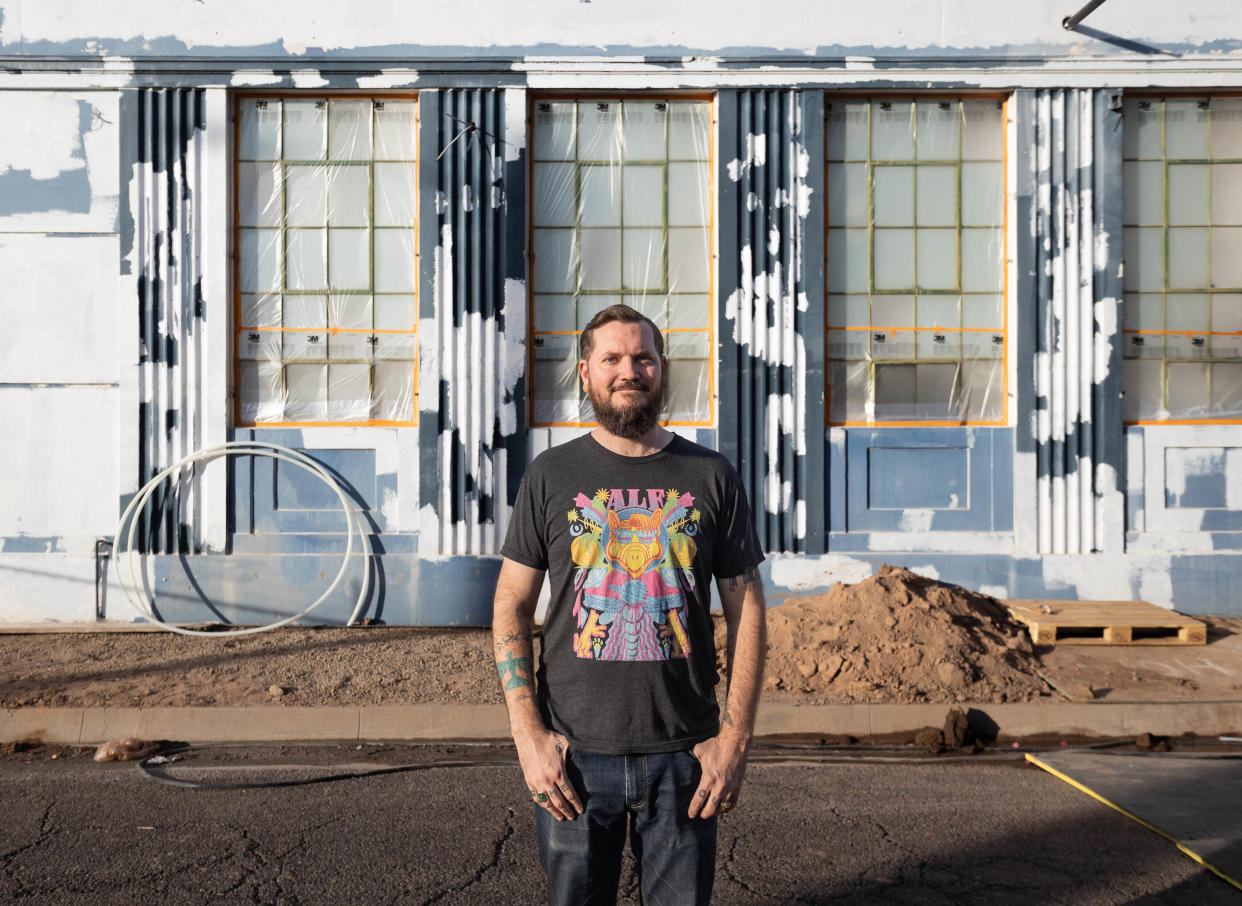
(76, 832)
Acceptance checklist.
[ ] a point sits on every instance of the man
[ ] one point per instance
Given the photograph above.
(623, 725)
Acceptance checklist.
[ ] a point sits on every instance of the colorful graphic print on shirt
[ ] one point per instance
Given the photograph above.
(634, 550)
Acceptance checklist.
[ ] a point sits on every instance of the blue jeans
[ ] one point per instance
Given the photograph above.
(676, 856)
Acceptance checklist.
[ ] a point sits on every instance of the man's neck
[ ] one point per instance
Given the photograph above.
(653, 441)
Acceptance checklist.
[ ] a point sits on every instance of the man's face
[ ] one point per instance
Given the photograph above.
(624, 378)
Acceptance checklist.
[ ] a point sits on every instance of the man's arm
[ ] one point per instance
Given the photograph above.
(723, 758)
(541, 752)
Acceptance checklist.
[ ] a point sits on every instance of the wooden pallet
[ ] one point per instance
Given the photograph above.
(1106, 623)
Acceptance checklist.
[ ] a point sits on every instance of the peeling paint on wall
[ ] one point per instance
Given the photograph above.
(161, 241)
(1075, 159)
(43, 163)
(765, 314)
(693, 31)
(472, 426)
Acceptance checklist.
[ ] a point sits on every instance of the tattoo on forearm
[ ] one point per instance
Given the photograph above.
(510, 638)
(750, 577)
(518, 670)
(727, 717)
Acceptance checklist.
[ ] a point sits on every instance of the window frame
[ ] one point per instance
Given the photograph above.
(1005, 99)
(1166, 290)
(612, 96)
(236, 100)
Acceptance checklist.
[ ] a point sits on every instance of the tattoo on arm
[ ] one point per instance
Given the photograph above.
(510, 638)
(518, 670)
(750, 577)
(726, 717)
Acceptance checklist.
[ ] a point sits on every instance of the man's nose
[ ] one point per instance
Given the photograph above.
(629, 368)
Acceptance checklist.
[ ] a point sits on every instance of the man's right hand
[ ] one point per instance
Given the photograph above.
(542, 754)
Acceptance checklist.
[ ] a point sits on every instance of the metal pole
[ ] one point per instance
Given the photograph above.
(1069, 23)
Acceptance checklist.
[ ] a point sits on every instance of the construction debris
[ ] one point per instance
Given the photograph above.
(128, 748)
(899, 637)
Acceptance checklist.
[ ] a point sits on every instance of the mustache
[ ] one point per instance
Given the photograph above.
(629, 385)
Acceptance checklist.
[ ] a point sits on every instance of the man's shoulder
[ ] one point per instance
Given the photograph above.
(707, 457)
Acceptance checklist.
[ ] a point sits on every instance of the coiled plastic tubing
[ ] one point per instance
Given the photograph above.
(143, 600)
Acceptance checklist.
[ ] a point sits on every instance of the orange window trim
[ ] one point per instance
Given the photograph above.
(238, 99)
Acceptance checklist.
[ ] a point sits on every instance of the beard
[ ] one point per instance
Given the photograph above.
(632, 421)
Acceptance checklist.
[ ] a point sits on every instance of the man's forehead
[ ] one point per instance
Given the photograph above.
(623, 336)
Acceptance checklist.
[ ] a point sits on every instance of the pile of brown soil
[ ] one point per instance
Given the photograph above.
(899, 637)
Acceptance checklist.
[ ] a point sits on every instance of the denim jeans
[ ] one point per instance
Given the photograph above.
(676, 856)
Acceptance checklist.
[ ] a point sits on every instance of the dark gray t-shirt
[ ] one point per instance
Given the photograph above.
(628, 662)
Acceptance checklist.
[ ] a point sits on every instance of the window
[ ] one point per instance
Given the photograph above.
(326, 260)
(1182, 215)
(621, 212)
(915, 260)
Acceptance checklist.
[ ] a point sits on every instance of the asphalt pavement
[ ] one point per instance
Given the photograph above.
(453, 825)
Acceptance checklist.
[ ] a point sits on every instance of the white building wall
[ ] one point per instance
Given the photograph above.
(59, 250)
(70, 339)
(300, 28)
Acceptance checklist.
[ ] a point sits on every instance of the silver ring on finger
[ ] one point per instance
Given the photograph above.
(541, 798)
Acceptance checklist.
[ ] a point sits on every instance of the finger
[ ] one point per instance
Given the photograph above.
(560, 805)
(698, 801)
(545, 801)
(566, 789)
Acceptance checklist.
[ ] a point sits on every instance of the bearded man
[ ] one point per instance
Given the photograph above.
(619, 728)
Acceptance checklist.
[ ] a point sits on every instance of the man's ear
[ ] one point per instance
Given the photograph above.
(582, 373)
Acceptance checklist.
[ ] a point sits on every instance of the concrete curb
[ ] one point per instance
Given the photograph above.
(429, 722)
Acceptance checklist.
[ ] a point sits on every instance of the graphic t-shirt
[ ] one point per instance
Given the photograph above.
(628, 662)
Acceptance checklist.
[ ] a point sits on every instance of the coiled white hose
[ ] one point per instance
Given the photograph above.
(143, 602)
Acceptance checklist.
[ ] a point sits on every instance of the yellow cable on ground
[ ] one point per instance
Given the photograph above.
(1133, 817)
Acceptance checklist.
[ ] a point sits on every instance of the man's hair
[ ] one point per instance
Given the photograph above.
(623, 313)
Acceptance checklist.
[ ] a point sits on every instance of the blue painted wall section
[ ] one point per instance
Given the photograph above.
(771, 362)
(247, 589)
(962, 475)
(68, 191)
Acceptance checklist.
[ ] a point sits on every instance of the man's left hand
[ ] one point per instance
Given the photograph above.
(723, 759)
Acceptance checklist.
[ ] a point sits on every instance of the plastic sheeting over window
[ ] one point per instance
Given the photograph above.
(1182, 211)
(621, 212)
(915, 260)
(327, 260)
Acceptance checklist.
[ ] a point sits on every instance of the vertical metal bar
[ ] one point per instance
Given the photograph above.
(1109, 442)
(745, 368)
(729, 277)
(494, 250)
(1086, 324)
(473, 305)
(1070, 333)
(431, 494)
(177, 322)
(812, 475)
(786, 325)
(1057, 324)
(1043, 318)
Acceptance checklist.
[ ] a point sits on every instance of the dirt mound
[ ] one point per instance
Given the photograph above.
(899, 637)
